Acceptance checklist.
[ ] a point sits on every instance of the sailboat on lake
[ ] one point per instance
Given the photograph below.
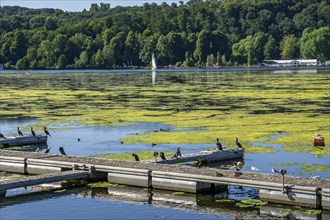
(153, 62)
(153, 68)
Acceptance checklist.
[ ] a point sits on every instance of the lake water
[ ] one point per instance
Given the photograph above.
(135, 203)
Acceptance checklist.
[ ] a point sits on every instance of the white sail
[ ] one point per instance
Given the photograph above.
(153, 62)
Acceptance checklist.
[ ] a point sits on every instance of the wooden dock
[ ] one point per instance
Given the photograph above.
(22, 140)
(306, 192)
(210, 155)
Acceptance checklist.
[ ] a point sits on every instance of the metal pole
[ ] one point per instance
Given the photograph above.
(283, 183)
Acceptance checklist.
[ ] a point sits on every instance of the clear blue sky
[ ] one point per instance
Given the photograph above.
(78, 5)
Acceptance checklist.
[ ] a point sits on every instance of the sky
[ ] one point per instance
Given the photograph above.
(77, 5)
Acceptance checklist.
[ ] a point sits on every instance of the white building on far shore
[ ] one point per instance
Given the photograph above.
(297, 62)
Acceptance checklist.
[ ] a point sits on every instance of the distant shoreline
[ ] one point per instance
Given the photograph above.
(221, 69)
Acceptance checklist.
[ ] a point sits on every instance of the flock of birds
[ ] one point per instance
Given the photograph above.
(33, 133)
(237, 166)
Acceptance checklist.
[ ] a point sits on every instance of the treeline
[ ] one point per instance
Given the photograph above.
(196, 33)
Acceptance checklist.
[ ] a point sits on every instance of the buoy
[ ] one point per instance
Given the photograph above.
(318, 141)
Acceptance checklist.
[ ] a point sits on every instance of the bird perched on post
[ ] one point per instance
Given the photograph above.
(32, 132)
(238, 143)
(136, 157)
(46, 132)
(219, 145)
(61, 149)
(19, 132)
(2, 136)
(282, 171)
(162, 155)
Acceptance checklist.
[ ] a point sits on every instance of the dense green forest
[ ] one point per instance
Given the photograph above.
(193, 34)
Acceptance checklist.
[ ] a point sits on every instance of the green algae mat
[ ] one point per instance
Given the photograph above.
(285, 108)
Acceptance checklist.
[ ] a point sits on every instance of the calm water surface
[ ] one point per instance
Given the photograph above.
(134, 203)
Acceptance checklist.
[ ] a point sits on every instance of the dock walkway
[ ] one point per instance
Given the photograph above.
(308, 192)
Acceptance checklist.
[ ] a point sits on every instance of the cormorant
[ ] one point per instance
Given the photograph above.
(19, 132)
(33, 133)
(47, 133)
(61, 149)
(178, 152)
(219, 145)
(282, 171)
(136, 157)
(238, 143)
(162, 155)
(153, 144)
(47, 151)
(3, 137)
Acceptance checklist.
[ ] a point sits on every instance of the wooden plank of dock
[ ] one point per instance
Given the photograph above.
(42, 179)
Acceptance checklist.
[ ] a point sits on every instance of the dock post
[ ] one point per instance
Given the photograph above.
(92, 171)
(150, 179)
(283, 183)
(75, 167)
(25, 170)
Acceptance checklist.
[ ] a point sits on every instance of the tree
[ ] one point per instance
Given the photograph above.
(108, 55)
(289, 47)
(131, 50)
(50, 23)
(82, 62)
(62, 62)
(18, 47)
(23, 63)
(316, 44)
(271, 50)
(47, 54)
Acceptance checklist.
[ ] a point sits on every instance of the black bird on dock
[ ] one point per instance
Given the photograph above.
(238, 143)
(19, 132)
(3, 137)
(219, 145)
(162, 155)
(178, 152)
(61, 149)
(47, 151)
(33, 133)
(136, 157)
(282, 171)
(46, 132)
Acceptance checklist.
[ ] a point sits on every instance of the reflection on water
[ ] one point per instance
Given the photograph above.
(153, 77)
(115, 201)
